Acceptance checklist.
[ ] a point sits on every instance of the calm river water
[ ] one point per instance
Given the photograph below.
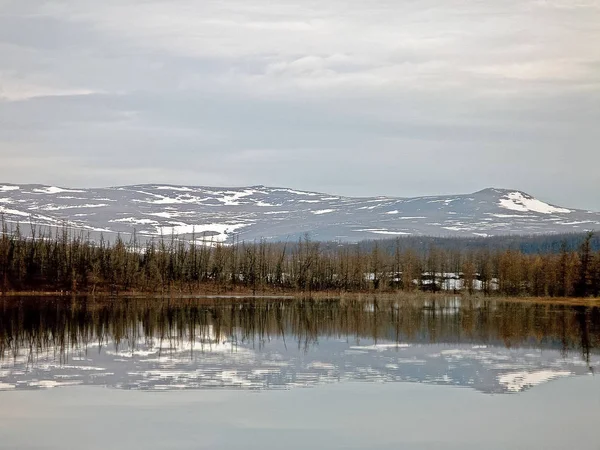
(220, 373)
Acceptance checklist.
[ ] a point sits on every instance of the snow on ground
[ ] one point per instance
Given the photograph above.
(13, 212)
(265, 204)
(516, 201)
(54, 190)
(518, 381)
(9, 188)
(174, 188)
(230, 198)
(59, 208)
(457, 228)
(382, 231)
(323, 211)
(165, 201)
(134, 221)
(164, 214)
(582, 222)
(221, 230)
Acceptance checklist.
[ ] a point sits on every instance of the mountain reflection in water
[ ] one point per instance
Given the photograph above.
(491, 346)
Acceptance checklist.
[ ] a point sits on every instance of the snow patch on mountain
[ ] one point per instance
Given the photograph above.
(174, 188)
(4, 210)
(217, 232)
(383, 231)
(54, 190)
(517, 201)
(134, 221)
(9, 188)
(59, 208)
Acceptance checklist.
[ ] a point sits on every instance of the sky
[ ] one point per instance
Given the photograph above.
(349, 97)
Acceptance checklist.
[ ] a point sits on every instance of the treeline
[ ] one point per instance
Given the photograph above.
(67, 261)
(528, 244)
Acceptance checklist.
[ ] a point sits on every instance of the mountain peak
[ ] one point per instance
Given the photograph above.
(500, 191)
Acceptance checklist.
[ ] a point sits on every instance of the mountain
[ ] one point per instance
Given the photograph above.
(255, 212)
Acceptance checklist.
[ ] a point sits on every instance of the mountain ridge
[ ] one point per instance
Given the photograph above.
(280, 213)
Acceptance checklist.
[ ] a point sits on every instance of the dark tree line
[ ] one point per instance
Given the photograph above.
(528, 244)
(63, 260)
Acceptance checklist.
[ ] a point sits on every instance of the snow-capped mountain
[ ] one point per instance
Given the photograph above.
(256, 212)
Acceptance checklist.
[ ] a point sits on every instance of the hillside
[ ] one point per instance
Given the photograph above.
(251, 213)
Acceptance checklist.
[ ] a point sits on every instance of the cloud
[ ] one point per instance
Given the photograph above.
(351, 97)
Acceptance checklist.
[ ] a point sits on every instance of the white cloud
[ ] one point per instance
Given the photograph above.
(352, 97)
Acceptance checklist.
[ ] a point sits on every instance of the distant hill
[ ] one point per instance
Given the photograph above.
(276, 214)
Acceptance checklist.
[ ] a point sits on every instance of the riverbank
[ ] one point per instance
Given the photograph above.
(320, 295)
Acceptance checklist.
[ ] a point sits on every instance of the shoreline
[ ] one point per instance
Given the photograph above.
(297, 295)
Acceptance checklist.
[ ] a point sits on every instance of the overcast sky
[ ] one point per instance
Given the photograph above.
(355, 97)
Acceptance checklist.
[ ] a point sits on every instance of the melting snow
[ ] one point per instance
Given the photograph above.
(174, 188)
(135, 221)
(54, 190)
(232, 199)
(291, 191)
(516, 201)
(58, 208)
(577, 222)
(506, 216)
(13, 212)
(164, 215)
(221, 230)
(261, 203)
(382, 231)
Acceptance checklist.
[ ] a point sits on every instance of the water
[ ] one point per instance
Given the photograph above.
(234, 373)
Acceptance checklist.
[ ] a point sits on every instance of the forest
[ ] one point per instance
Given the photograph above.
(68, 261)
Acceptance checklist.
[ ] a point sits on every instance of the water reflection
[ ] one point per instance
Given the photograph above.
(491, 346)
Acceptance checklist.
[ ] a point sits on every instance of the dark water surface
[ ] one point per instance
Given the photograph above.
(228, 373)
